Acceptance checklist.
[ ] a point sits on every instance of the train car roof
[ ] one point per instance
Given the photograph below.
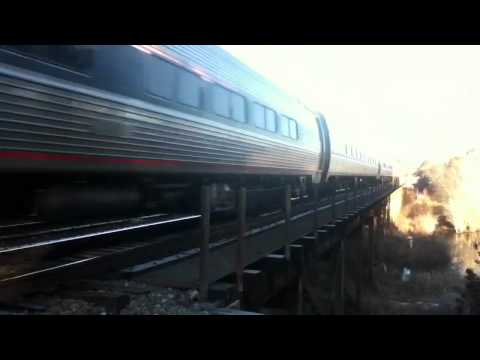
(227, 70)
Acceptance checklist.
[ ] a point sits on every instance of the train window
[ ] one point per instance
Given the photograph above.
(75, 57)
(284, 126)
(189, 86)
(293, 129)
(258, 114)
(238, 107)
(161, 82)
(221, 101)
(271, 120)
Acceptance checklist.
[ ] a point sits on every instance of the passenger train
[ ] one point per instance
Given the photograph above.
(89, 129)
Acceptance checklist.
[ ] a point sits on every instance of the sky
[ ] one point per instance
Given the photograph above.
(398, 103)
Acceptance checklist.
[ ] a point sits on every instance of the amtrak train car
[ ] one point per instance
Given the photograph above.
(347, 161)
(112, 128)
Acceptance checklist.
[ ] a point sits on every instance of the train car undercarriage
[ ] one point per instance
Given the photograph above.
(67, 196)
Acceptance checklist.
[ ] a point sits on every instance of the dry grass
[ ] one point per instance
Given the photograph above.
(426, 293)
(427, 253)
(422, 284)
(432, 284)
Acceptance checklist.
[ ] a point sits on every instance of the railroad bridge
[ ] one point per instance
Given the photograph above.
(263, 202)
(266, 264)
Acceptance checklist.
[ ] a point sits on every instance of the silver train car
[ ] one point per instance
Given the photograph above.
(110, 128)
(348, 161)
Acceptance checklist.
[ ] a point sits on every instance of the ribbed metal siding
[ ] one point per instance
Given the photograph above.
(343, 166)
(35, 117)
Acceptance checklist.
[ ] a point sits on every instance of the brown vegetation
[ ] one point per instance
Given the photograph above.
(428, 253)
(433, 285)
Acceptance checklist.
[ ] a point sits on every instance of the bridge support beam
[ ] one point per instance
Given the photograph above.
(371, 222)
(355, 194)
(339, 297)
(388, 211)
(331, 197)
(315, 209)
(381, 230)
(298, 260)
(288, 212)
(357, 251)
(242, 228)
(204, 242)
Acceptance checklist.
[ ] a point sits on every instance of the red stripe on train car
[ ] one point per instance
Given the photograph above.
(40, 156)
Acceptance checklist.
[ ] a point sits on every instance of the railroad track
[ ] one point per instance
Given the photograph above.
(29, 260)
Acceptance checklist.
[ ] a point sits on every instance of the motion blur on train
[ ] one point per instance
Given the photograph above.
(96, 130)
